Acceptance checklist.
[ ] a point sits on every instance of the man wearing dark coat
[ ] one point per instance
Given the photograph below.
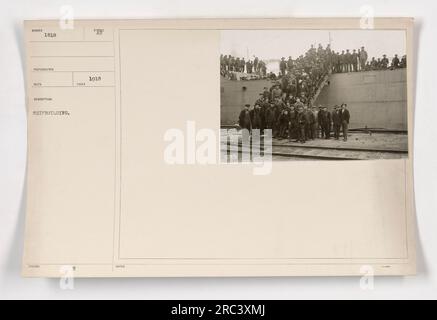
(343, 61)
(264, 103)
(344, 117)
(266, 93)
(290, 64)
(276, 92)
(283, 66)
(284, 121)
(245, 120)
(363, 58)
(348, 58)
(338, 60)
(326, 122)
(336, 120)
(269, 116)
(395, 62)
(384, 62)
(319, 120)
(255, 64)
(277, 109)
(301, 125)
(292, 125)
(256, 117)
(354, 60)
(309, 119)
(403, 63)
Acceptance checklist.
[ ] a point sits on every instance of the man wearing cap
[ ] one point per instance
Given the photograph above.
(378, 64)
(298, 104)
(319, 120)
(354, 59)
(384, 62)
(326, 122)
(338, 62)
(284, 121)
(256, 117)
(363, 58)
(403, 63)
(225, 62)
(249, 66)
(269, 116)
(283, 66)
(309, 119)
(342, 61)
(292, 125)
(231, 63)
(245, 120)
(395, 62)
(264, 103)
(263, 68)
(344, 117)
(336, 120)
(290, 63)
(348, 58)
(266, 93)
(301, 124)
(276, 92)
(278, 107)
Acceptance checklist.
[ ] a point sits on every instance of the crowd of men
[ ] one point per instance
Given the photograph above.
(358, 60)
(296, 121)
(324, 59)
(229, 64)
(287, 107)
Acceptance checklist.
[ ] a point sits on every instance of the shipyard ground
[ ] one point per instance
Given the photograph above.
(359, 146)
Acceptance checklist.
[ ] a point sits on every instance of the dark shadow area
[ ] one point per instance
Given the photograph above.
(15, 254)
(422, 269)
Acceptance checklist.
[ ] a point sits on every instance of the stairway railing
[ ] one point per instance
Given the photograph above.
(320, 87)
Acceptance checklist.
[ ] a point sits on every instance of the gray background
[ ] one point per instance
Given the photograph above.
(13, 155)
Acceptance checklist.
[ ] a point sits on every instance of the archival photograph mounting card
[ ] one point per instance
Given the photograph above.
(219, 147)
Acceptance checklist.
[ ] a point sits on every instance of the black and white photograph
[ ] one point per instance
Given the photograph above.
(320, 94)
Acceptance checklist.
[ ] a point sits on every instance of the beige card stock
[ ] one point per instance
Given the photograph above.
(103, 202)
